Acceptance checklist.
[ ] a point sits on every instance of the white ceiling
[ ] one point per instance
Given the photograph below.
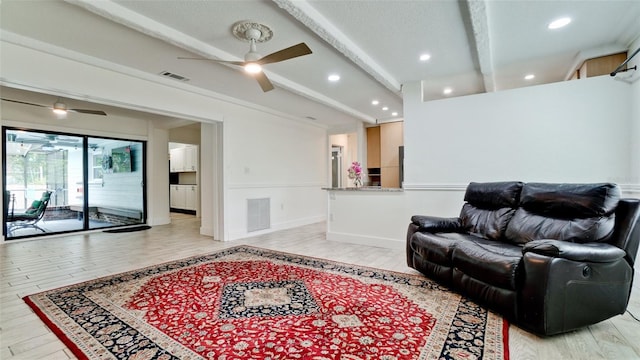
(475, 46)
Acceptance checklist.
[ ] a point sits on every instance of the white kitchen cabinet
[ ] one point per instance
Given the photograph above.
(184, 159)
(177, 197)
(176, 160)
(190, 158)
(183, 197)
(191, 197)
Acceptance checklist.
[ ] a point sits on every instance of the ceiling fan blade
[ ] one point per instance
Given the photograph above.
(264, 82)
(239, 63)
(286, 54)
(25, 103)
(88, 111)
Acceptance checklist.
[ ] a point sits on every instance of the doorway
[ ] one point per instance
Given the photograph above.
(336, 166)
(58, 182)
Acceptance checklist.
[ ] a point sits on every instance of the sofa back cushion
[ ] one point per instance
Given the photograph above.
(494, 195)
(571, 212)
(490, 224)
(489, 208)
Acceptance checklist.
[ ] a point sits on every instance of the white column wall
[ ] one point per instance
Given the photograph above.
(157, 179)
(635, 115)
(276, 158)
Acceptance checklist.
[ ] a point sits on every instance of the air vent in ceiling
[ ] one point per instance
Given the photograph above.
(173, 76)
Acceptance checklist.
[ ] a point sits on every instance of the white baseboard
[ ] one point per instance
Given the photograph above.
(206, 231)
(386, 243)
(239, 234)
(159, 221)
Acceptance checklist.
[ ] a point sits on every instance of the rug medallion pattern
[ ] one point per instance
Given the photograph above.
(251, 303)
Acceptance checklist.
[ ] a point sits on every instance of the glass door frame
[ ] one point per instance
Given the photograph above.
(85, 178)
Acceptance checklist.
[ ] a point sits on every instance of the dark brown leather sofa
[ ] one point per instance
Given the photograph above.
(549, 257)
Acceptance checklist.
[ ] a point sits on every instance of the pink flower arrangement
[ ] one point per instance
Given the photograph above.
(355, 173)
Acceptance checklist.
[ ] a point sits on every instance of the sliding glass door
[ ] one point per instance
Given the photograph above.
(55, 182)
(116, 182)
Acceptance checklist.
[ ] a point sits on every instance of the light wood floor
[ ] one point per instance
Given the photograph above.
(32, 266)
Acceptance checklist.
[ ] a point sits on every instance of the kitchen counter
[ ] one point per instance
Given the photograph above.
(365, 188)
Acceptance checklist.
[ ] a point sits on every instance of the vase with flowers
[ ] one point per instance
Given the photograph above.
(355, 173)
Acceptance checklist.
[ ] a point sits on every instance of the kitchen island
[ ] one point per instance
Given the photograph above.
(366, 215)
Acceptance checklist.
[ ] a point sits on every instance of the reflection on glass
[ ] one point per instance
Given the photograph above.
(41, 176)
(115, 188)
(45, 188)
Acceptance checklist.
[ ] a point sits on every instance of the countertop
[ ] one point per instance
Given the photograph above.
(365, 188)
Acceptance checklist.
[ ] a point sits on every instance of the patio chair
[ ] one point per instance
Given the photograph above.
(30, 217)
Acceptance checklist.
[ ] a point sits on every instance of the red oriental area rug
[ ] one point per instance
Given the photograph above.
(251, 303)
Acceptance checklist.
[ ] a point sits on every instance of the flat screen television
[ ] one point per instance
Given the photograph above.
(121, 159)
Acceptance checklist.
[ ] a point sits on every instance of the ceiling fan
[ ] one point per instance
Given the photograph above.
(252, 64)
(60, 107)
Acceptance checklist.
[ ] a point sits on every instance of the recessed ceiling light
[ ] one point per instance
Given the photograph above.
(557, 24)
(425, 57)
(529, 77)
(375, 102)
(334, 77)
(385, 108)
(394, 114)
(447, 91)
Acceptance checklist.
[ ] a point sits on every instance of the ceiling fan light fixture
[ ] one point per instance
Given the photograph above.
(252, 68)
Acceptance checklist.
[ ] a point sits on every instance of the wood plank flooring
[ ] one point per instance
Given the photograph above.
(28, 267)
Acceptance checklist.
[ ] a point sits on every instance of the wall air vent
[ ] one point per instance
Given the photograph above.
(258, 214)
(174, 76)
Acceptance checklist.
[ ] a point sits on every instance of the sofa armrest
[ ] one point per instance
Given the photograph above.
(589, 252)
(435, 224)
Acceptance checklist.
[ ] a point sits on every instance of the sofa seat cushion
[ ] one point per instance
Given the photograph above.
(436, 247)
(495, 263)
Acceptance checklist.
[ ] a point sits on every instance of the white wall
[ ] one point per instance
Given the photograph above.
(266, 154)
(574, 131)
(189, 134)
(635, 111)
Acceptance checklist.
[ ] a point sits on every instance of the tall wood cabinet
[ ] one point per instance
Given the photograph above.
(383, 154)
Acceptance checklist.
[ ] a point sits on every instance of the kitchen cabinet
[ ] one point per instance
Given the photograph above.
(191, 197)
(184, 197)
(177, 197)
(184, 159)
(373, 147)
(383, 155)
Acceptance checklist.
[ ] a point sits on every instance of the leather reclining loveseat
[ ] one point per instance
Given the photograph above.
(549, 257)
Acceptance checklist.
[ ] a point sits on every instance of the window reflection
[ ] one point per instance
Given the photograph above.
(48, 179)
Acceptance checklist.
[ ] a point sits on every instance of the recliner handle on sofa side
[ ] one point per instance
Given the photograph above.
(588, 252)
